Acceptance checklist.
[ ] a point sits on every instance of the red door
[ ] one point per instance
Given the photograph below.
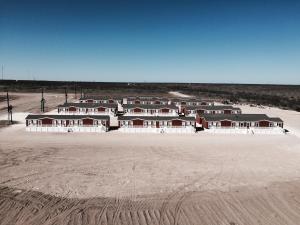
(157, 124)
(225, 123)
(138, 123)
(176, 123)
(165, 110)
(72, 109)
(264, 123)
(47, 121)
(101, 109)
(227, 111)
(87, 122)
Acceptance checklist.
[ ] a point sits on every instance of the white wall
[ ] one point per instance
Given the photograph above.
(66, 129)
(189, 129)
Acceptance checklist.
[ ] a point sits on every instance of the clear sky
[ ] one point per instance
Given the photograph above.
(152, 41)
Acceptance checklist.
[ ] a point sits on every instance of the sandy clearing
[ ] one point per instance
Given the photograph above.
(30, 102)
(117, 178)
(291, 118)
(277, 204)
(178, 94)
(91, 165)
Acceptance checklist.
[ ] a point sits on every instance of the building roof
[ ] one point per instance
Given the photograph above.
(95, 97)
(164, 118)
(211, 107)
(149, 106)
(60, 116)
(189, 100)
(89, 105)
(276, 119)
(239, 117)
(147, 98)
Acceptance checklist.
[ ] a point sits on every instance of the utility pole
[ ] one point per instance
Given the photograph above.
(43, 101)
(66, 95)
(9, 109)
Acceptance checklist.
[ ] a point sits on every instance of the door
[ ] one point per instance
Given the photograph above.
(176, 123)
(87, 122)
(227, 111)
(225, 123)
(138, 123)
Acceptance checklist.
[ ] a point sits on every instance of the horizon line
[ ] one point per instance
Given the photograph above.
(149, 82)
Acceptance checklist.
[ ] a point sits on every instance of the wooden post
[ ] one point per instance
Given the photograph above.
(9, 109)
(66, 95)
(7, 100)
(43, 102)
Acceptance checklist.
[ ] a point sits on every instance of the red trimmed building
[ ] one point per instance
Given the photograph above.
(88, 108)
(150, 110)
(100, 99)
(210, 121)
(67, 123)
(210, 109)
(157, 124)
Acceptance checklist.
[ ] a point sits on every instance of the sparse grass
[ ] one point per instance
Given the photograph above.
(283, 96)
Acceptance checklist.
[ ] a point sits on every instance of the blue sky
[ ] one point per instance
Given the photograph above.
(151, 41)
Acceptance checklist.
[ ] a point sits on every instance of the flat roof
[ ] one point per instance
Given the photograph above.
(211, 107)
(149, 106)
(95, 97)
(60, 116)
(239, 117)
(89, 105)
(190, 100)
(168, 118)
(149, 98)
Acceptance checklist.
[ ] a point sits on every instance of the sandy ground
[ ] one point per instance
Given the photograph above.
(28, 102)
(291, 118)
(180, 95)
(117, 178)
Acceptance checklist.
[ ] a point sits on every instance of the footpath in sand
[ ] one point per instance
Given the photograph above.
(117, 178)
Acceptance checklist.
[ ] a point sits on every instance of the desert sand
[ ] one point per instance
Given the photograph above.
(119, 178)
(180, 95)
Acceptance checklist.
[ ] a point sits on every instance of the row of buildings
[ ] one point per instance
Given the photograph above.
(145, 109)
(146, 100)
(150, 114)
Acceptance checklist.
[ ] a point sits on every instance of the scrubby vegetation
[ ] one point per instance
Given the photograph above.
(284, 96)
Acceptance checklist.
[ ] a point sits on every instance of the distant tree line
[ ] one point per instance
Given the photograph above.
(284, 96)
